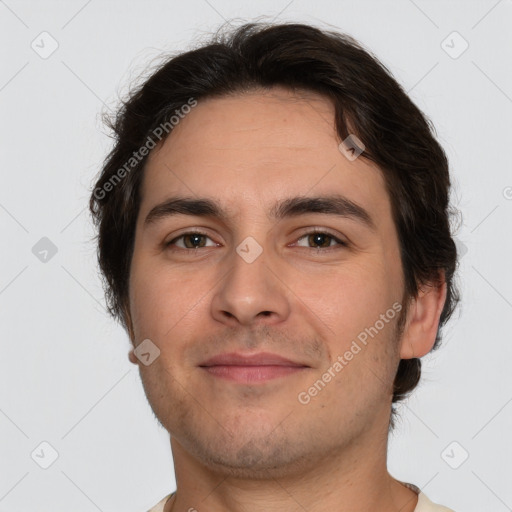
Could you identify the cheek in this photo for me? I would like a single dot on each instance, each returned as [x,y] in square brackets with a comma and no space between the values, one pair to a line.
[147,296]
[164,299]
[348,304]
[349,295]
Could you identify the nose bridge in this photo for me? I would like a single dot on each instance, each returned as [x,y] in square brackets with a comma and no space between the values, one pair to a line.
[250,260]
[251,288]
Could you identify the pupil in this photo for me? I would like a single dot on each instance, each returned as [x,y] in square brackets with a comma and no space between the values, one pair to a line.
[195,238]
[317,239]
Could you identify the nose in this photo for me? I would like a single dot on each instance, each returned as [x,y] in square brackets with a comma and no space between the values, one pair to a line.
[251,292]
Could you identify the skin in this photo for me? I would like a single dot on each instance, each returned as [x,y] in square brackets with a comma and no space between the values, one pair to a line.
[255,447]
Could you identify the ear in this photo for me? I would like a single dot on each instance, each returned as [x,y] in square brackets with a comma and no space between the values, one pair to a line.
[132,358]
[422,322]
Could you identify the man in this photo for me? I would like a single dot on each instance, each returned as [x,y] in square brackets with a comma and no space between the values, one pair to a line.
[274,236]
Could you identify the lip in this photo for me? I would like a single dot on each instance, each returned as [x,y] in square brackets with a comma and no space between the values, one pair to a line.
[251,368]
[259,359]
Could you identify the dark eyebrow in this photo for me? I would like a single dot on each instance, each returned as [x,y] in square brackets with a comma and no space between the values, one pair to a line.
[331,205]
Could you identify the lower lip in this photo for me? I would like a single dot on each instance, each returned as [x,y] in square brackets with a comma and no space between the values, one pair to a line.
[245,374]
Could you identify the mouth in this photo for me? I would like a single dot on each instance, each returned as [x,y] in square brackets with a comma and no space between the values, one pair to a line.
[253,368]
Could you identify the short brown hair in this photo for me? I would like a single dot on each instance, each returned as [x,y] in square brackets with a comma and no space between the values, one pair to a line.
[369,103]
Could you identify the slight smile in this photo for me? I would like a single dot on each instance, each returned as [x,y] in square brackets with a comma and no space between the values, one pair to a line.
[252,368]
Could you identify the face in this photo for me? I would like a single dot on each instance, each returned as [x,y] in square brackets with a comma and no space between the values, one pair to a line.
[310,281]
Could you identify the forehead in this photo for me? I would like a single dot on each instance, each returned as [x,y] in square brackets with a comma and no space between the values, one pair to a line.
[247,150]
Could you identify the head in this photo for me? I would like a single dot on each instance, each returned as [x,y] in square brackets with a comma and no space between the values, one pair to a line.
[250,125]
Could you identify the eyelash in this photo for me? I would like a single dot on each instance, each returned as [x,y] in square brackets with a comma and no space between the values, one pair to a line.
[341,243]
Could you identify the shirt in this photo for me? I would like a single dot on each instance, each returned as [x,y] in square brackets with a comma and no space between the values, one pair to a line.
[424,504]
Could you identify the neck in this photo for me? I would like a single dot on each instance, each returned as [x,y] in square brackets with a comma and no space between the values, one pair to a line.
[354,479]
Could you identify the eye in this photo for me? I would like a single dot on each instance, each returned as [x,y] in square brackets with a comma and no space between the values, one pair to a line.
[192,240]
[322,238]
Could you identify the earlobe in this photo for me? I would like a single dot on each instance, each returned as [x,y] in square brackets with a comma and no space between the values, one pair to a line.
[132,358]
[422,323]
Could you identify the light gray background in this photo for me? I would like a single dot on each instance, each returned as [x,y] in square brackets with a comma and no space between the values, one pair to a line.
[65,377]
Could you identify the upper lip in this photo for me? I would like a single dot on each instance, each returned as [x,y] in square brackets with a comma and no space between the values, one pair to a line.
[259,359]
